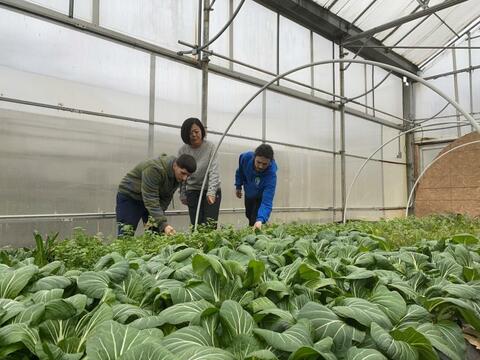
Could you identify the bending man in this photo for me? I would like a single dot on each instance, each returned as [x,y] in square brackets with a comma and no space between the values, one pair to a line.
[257,173]
[148,189]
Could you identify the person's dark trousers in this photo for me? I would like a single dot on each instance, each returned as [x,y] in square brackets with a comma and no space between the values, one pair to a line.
[208,213]
[129,212]
[251,209]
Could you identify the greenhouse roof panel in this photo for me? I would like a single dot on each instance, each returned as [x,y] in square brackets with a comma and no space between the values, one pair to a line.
[435,30]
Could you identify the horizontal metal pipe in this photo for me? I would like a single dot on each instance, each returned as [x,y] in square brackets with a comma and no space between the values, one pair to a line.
[413,47]
[467,69]
[111,215]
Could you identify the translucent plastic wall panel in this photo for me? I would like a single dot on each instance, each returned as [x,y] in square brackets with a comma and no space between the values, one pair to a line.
[255,38]
[362,137]
[395,150]
[226,97]
[323,74]
[228,155]
[83,10]
[368,190]
[295,50]
[71,164]
[395,185]
[159,22]
[46,63]
[17,234]
[355,77]
[389,95]
[304,178]
[316,217]
[464,98]
[428,153]
[218,19]
[441,64]
[178,92]
[298,122]
[428,104]
[57,5]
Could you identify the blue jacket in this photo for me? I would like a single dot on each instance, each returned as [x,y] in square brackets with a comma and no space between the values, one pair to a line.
[257,184]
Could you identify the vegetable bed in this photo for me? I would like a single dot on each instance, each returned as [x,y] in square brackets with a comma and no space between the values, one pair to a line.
[322,293]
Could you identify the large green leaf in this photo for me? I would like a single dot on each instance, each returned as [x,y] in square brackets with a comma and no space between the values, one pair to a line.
[242,345]
[176,314]
[255,270]
[59,309]
[44,296]
[111,340]
[363,311]
[125,313]
[390,302]
[235,320]
[91,321]
[93,284]
[194,292]
[12,282]
[32,315]
[466,239]
[12,308]
[415,314]
[418,341]
[390,347]
[147,351]
[321,350]
[202,262]
[261,355]
[185,338]
[118,271]
[291,339]
[18,333]
[205,352]
[280,289]
[355,353]
[51,282]
[326,323]
[446,337]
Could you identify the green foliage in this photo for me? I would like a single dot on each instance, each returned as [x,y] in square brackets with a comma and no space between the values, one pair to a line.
[288,292]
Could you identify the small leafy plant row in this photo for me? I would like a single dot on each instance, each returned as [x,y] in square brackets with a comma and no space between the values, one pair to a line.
[322,295]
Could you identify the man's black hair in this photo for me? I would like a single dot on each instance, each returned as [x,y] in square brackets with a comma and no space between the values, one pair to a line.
[187,162]
[187,126]
[265,151]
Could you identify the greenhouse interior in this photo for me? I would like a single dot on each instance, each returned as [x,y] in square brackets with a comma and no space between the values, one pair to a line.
[240,179]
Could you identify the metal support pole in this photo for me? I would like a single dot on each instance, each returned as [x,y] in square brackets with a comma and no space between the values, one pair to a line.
[204,62]
[408,112]
[455,88]
[199,29]
[151,110]
[334,140]
[470,73]
[230,35]
[96,12]
[343,179]
[264,117]
[71,6]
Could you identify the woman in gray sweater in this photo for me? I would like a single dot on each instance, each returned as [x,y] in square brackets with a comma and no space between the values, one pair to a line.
[193,135]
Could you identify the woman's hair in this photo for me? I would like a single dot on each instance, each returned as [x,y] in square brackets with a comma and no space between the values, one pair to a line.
[187,126]
[265,151]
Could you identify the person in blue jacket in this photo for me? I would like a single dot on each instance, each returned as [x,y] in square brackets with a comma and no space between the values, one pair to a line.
[257,174]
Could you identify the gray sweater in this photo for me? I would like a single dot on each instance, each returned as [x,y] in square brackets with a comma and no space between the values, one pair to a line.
[202,156]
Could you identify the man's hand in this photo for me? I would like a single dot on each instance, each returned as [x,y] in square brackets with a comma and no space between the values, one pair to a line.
[169,230]
[257,225]
[238,192]
[184,200]
[211,199]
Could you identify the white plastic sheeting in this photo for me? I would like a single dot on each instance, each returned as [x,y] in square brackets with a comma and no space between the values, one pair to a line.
[431,32]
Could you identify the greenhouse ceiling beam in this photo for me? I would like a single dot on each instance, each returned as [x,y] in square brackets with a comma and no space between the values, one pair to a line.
[302,96]
[449,73]
[320,20]
[403,20]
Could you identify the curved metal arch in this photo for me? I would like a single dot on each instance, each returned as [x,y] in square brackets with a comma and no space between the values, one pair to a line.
[333,61]
[222,30]
[357,174]
[428,166]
